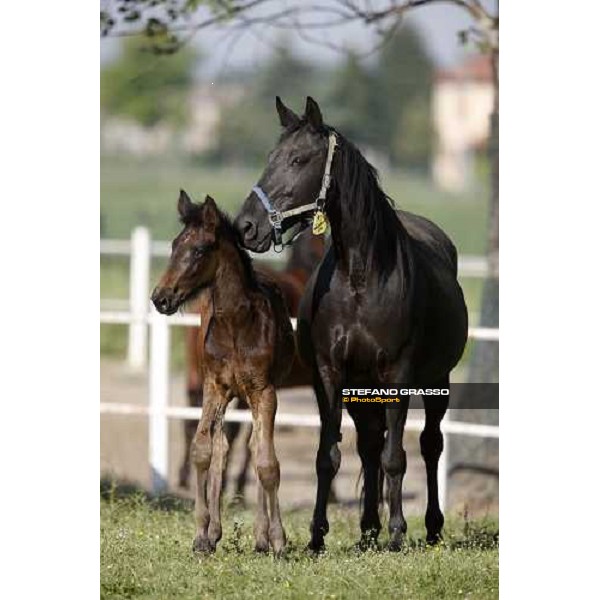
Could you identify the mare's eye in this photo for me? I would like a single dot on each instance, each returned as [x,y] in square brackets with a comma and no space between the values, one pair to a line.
[299,160]
[199,251]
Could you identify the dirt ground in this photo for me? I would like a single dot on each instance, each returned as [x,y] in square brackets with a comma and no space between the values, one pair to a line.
[124,450]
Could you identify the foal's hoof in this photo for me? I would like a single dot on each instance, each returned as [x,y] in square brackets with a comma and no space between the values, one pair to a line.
[433,539]
[394,545]
[203,546]
[184,476]
[261,547]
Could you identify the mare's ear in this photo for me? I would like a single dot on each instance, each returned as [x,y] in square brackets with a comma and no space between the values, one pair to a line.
[287,117]
[210,215]
[312,112]
[184,204]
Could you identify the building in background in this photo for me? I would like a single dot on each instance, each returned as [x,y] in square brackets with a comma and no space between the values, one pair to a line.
[206,104]
[462,104]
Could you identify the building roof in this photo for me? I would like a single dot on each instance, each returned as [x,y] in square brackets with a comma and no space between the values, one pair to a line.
[475,68]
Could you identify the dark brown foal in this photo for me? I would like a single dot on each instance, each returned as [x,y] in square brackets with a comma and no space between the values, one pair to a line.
[304,257]
[245,346]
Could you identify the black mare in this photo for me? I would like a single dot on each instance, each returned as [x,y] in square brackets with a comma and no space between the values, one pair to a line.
[384,306]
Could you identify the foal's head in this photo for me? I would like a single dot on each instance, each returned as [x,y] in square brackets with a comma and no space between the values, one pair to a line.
[194,256]
[293,174]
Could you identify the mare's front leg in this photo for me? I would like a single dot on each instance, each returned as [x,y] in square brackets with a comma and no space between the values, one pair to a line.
[370,427]
[393,461]
[264,406]
[328,455]
[201,454]
[432,446]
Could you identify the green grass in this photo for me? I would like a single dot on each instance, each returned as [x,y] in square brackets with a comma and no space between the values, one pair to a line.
[146,553]
[136,192]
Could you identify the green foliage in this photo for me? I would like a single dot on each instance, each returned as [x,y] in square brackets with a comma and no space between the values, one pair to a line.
[354,103]
[146,87]
[249,129]
[145,552]
[412,143]
[405,76]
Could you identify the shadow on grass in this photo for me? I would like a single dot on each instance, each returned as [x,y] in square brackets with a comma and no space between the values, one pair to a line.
[121,489]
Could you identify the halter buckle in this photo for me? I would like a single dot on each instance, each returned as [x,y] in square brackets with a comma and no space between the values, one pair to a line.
[276,219]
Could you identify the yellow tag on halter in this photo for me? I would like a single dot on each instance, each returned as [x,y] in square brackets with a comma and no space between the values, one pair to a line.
[319,225]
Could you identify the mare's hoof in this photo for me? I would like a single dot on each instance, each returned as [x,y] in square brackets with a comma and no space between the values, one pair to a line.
[315,548]
[434,539]
[203,546]
[367,543]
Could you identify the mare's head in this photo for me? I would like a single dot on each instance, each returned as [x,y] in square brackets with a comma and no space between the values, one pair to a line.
[292,177]
[194,256]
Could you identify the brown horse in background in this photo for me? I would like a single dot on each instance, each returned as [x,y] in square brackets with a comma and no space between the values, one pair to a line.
[246,346]
[305,255]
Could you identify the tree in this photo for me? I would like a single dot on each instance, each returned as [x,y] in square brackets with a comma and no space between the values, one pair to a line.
[147,88]
[247,129]
[354,105]
[405,76]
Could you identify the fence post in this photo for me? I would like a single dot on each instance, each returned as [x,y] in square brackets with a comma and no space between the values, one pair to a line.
[443,473]
[139,296]
[158,393]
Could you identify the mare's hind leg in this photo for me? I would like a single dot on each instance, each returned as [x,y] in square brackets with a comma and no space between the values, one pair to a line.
[393,460]
[370,433]
[201,454]
[264,406]
[432,445]
[328,456]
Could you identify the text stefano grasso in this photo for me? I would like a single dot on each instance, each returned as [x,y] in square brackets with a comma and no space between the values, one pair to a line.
[396,391]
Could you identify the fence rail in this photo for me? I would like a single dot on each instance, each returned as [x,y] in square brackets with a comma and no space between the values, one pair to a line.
[142,319]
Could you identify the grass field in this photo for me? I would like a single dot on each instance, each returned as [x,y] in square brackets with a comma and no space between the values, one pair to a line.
[135,192]
[146,553]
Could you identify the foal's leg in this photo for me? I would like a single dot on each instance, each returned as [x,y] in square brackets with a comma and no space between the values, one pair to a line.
[194,393]
[242,479]
[189,429]
[328,455]
[432,445]
[261,524]
[393,460]
[215,480]
[201,452]
[369,429]
[264,406]
[231,429]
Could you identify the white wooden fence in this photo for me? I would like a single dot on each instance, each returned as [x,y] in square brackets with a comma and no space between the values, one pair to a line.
[142,317]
